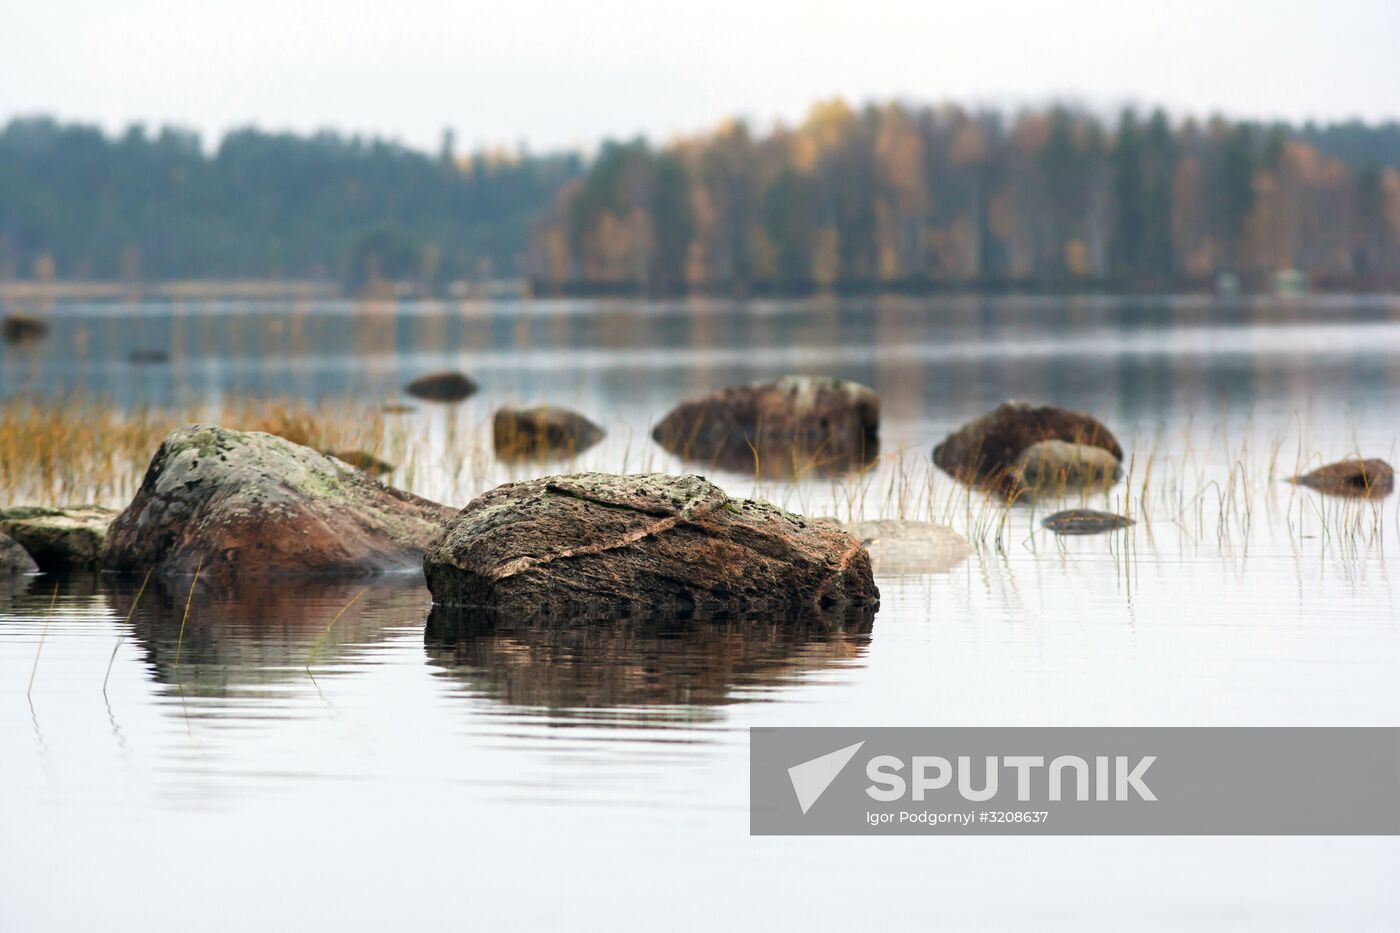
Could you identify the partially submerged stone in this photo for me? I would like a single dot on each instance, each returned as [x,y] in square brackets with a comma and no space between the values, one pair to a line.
[1357,479]
[58,539]
[985,450]
[541,432]
[899,546]
[244,502]
[1085,522]
[592,543]
[14,559]
[830,423]
[22,328]
[446,386]
[1050,467]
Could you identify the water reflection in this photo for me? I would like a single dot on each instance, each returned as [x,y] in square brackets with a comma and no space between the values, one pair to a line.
[657,670]
[259,636]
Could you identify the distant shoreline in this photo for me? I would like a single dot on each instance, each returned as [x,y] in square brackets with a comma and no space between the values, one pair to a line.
[16,294]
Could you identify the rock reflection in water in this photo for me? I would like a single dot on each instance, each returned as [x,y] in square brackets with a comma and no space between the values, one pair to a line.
[649,667]
[259,635]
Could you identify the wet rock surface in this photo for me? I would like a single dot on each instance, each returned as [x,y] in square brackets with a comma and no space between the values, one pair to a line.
[829,422]
[443,386]
[594,543]
[985,451]
[901,546]
[66,538]
[1085,522]
[541,432]
[14,559]
[235,502]
[1354,479]
[1051,467]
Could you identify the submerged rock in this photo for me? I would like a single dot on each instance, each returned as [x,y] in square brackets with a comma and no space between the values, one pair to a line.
[362,460]
[236,502]
[898,546]
[441,387]
[1085,522]
[1048,467]
[985,451]
[1358,479]
[595,543]
[14,559]
[69,538]
[22,328]
[830,422]
[541,432]
[148,357]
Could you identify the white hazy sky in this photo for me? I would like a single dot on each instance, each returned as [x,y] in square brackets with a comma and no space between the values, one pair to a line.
[566,74]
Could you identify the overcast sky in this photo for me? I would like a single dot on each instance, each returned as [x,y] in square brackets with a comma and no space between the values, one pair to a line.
[566,74]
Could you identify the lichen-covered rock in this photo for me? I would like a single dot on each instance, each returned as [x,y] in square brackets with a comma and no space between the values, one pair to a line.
[236,502]
[58,539]
[442,387]
[828,421]
[14,559]
[899,546]
[1048,467]
[985,450]
[1357,479]
[1085,522]
[21,328]
[541,432]
[595,543]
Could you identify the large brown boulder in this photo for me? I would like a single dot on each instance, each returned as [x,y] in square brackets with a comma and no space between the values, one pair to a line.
[985,451]
[829,422]
[541,432]
[1356,479]
[592,544]
[14,559]
[59,539]
[236,502]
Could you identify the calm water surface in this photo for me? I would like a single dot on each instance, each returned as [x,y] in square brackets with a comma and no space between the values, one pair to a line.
[265,767]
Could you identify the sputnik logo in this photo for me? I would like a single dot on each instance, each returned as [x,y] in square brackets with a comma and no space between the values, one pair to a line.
[810,779]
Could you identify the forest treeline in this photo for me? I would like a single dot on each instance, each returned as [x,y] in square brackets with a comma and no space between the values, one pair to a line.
[915,198]
[76,203]
[885,196]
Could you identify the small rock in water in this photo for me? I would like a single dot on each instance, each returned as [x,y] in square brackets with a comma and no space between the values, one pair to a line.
[442,387]
[14,558]
[243,502]
[1051,467]
[985,451]
[362,460]
[594,544]
[69,538]
[829,424]
[541,432]
[1085,522]
[898,546]
[21,328]
[1356,479]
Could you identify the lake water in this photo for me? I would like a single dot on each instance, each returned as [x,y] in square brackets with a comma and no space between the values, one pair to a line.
[277,765]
